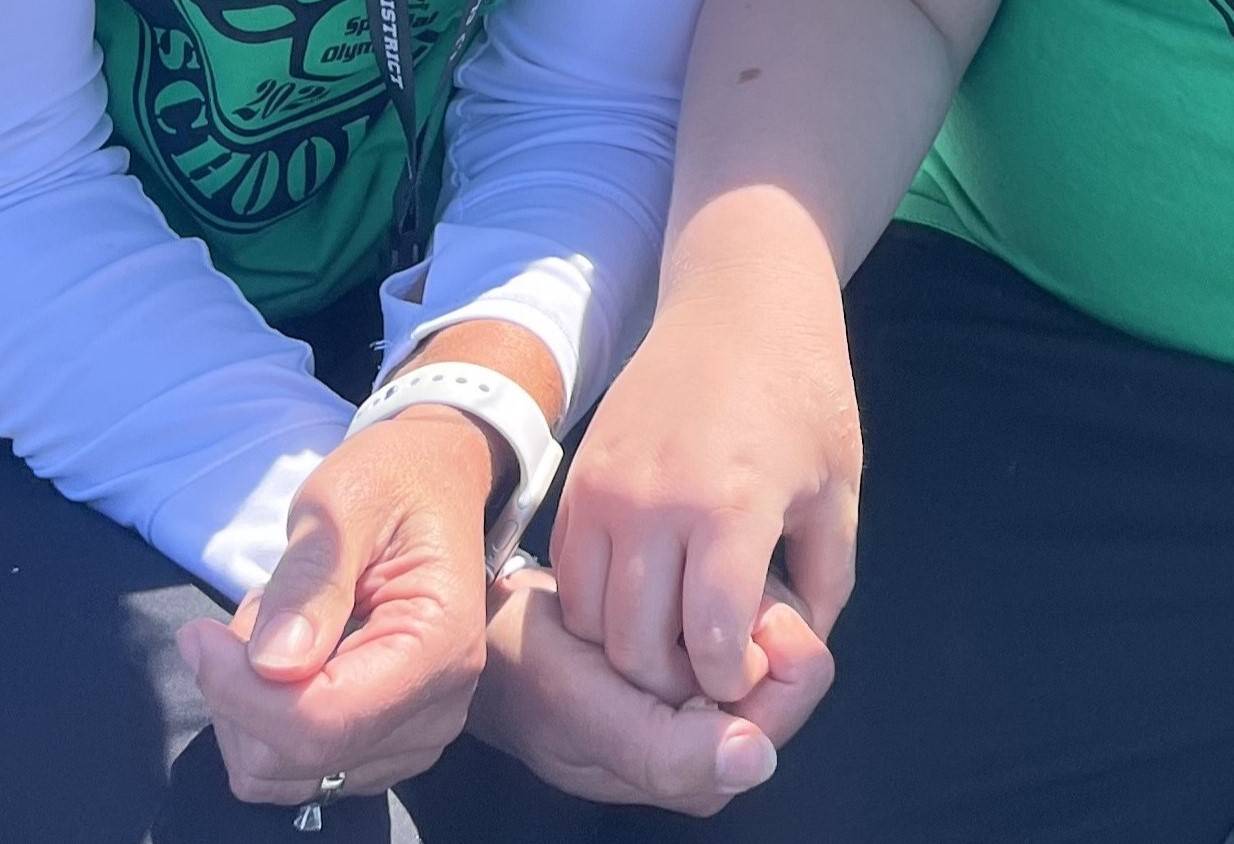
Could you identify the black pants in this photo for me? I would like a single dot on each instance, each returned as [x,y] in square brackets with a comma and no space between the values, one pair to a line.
[1040,646]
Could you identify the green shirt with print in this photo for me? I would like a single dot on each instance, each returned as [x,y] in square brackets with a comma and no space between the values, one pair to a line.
[265,129]
[1091,145]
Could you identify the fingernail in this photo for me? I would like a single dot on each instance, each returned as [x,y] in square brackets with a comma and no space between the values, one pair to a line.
[283,641]
[190,650]
[700,702]
[249,597]
[744,761]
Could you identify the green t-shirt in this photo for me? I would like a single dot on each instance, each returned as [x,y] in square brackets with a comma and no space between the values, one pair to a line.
[1091,146]
[265,129]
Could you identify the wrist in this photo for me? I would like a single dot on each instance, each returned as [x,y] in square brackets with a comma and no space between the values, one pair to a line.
[457,457]
[434,463]
[470,448]
[802,305]
[758,237]
[502,347]
[791,333]
[507,349]
[490,386]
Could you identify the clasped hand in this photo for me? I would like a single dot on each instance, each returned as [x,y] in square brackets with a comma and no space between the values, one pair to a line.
[665,534]
[700,459]
[386,535]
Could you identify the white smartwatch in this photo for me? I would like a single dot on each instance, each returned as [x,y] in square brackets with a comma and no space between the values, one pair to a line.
[504,405]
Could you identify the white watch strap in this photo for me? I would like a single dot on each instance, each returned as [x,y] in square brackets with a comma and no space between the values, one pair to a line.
[518,561]
[504,405]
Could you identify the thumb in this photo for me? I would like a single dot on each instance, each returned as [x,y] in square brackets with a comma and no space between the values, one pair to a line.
[245,617]
[700,750]
[307,602]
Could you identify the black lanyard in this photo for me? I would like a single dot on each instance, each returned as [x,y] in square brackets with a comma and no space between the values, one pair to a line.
[390,31]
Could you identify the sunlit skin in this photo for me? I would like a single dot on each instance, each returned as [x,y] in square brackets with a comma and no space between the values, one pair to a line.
[552,700]
[735,422]
[389,529]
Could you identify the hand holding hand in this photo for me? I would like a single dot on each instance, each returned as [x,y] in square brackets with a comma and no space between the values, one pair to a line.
[388,532]
[553,701]
[702,455]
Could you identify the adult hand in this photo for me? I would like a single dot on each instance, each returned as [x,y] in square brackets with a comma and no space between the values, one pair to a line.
[388,532]
[553,701]
[716,440]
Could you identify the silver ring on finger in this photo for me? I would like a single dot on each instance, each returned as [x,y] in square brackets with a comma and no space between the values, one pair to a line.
[308,816]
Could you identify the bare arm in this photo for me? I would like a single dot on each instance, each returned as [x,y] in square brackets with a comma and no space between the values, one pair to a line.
[803,122]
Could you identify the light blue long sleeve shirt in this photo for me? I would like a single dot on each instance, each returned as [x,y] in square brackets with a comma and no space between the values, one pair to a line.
[138,379]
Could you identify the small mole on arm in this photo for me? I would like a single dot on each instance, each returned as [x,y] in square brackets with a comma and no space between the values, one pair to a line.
[749,75]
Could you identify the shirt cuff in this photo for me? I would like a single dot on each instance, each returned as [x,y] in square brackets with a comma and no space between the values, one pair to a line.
[228,526]
[552,297]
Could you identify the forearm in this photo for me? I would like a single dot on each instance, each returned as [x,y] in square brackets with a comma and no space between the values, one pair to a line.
[801,128]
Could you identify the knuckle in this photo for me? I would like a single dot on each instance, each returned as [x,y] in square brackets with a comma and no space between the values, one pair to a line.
[629,496]
[244,787]
[589,478]
[211,690]
[455,726]
[579,618]
[733,502]
[847,581]
[459,678]
[411,621]
[708,806]
[743,510]
[620,492]
[259,759]
[316,744]
[212,681]
[664,776]
[308,569]
[331,493]
[834,591]
[815,669]
[824,670]
[639,664]
[308,755]
[473,662]
[557,537]
[312,555]
[846,516]
[334,742]
[447,728]
[664,782]
[851,457]
[624,656]
[422,763]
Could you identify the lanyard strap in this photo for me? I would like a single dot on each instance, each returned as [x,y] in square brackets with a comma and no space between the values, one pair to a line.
[390,31]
